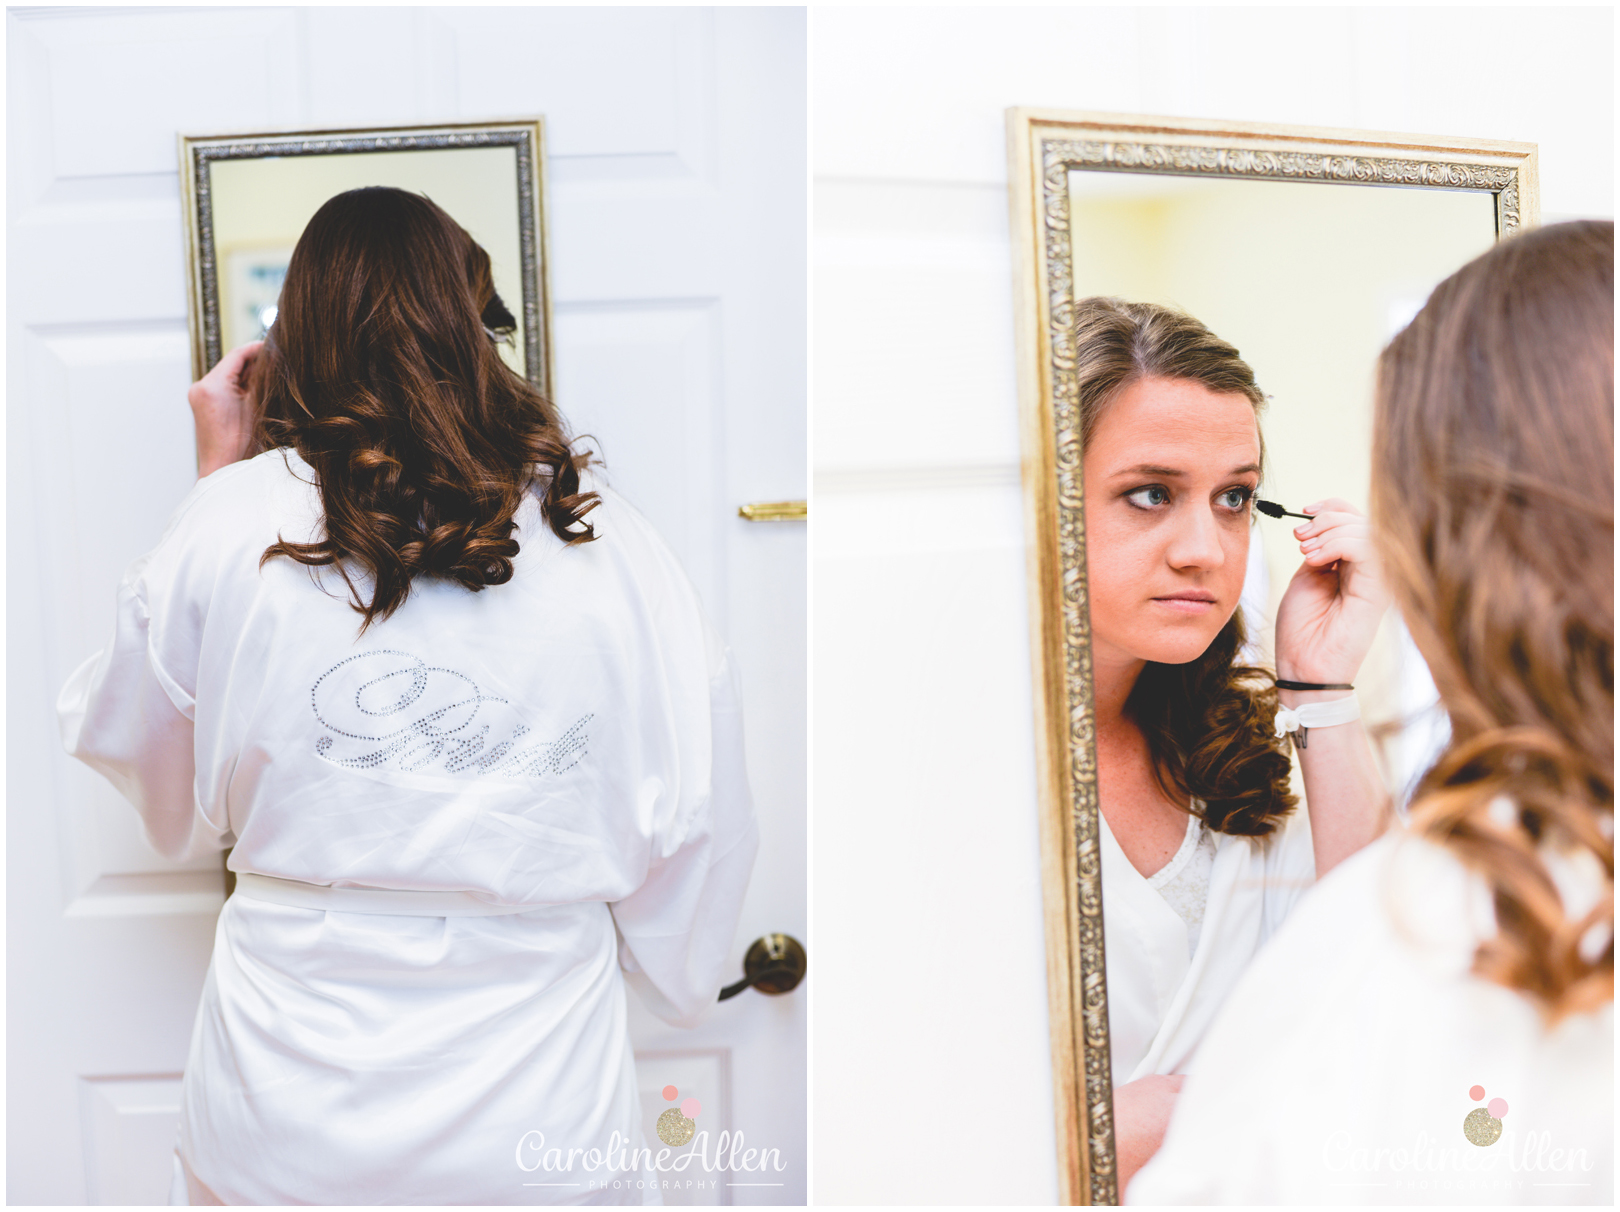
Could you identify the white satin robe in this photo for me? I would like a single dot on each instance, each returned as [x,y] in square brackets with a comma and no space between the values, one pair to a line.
[569,741]
[1161,1001]
[1342,1069]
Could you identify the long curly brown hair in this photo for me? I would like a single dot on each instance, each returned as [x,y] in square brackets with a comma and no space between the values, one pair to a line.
[1208,723]
[1493,445]
[382,371]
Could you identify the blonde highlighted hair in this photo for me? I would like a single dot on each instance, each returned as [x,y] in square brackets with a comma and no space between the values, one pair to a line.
[1493,487]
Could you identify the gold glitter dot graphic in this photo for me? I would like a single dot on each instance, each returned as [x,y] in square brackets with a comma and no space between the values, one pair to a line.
[675,1129]
[1480,1128]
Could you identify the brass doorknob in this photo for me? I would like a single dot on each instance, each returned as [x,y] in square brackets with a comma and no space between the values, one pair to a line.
[774,964]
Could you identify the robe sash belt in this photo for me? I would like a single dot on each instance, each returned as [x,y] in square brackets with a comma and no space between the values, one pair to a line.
[399,902]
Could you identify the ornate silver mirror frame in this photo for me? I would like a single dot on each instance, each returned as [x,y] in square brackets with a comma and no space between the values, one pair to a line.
[1044,147]
[198,153]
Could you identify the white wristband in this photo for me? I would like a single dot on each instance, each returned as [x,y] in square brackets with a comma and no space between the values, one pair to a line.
[1300,719]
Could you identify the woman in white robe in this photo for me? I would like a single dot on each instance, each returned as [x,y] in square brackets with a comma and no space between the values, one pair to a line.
[1203,853]
[449,833]
[1166,982]
[1436,1023]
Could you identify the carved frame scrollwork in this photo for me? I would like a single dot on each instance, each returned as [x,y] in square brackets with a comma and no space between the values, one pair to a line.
[1044,147]
[526,136]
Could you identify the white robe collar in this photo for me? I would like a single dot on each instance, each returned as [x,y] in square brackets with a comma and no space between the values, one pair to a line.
[1160,999]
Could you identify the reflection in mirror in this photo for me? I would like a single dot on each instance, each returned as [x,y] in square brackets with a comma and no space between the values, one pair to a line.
[251,197]
[1202,312]
[1308,281]
[1292,289]
[261,207]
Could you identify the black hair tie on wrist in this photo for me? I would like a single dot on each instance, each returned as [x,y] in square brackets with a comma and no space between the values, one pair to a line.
[1282,685]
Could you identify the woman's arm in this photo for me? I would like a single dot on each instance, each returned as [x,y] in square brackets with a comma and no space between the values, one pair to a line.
[676,931]
[1325,625]
[127,717]
[221,410]
[1141,1115]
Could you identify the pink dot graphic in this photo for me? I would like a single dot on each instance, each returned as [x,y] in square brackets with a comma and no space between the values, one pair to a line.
[670,1092]
[1497,1107]
[690,1108]
[1474,1092]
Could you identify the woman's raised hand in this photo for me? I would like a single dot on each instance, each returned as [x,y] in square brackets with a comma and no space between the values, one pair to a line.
[1332,607]
[221,410]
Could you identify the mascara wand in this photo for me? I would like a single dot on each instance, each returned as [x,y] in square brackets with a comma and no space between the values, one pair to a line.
[1273,510]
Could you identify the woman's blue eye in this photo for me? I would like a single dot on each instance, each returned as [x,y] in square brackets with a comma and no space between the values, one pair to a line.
[1149,496]
[1236,498]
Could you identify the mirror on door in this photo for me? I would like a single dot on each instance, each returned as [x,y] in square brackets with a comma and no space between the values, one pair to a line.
[1202,328]
[250,196]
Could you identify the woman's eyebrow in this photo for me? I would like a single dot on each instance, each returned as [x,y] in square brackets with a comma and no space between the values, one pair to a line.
[1149,469]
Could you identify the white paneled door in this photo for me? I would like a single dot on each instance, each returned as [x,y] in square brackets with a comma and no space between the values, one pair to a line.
[677,219]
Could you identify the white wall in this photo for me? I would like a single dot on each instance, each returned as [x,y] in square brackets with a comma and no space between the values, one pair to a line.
[930,1065]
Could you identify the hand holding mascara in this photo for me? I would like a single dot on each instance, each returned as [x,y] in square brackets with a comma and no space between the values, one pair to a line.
[1330,612]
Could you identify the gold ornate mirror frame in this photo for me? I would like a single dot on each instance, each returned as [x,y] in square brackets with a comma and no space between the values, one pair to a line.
[1044,147]
[198,153]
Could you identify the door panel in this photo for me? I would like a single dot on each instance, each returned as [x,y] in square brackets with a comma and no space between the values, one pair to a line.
[639,379]
[129,1127]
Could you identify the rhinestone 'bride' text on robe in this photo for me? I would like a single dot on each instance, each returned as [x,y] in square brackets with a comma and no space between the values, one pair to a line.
[390,710]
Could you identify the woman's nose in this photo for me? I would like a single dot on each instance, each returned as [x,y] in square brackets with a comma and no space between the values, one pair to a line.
[1197,541]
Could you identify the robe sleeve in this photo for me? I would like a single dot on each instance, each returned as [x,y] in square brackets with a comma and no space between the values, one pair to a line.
[124,714]
[677,928]
[1290,871]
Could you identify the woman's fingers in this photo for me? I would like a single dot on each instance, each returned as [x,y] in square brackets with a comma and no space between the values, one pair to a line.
[1327,520]
[232,365]
[1355,538]
[229,368]
[1351,550]
[1326,513]
[1356,550]
[240,354]
[222,385]
[1330,503]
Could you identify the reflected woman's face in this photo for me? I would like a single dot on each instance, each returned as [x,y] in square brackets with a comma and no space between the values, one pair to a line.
[1169,474]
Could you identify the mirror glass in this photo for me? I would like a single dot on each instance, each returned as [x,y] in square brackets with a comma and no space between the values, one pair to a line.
[260,207]
[1309,281]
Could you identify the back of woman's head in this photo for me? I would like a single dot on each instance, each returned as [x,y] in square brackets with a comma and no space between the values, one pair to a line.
[1209,722]
[382,371]
[1493,501]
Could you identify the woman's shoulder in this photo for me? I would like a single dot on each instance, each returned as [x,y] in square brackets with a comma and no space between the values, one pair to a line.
[1362,1027]
[614,511]
[1400,898]
[1397,923]
[628,558]
[626,535]
[1284,858]
[1394,927]
[243,506]
[276,480]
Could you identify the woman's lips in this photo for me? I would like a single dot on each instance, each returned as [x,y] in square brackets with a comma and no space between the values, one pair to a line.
[1188,603]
